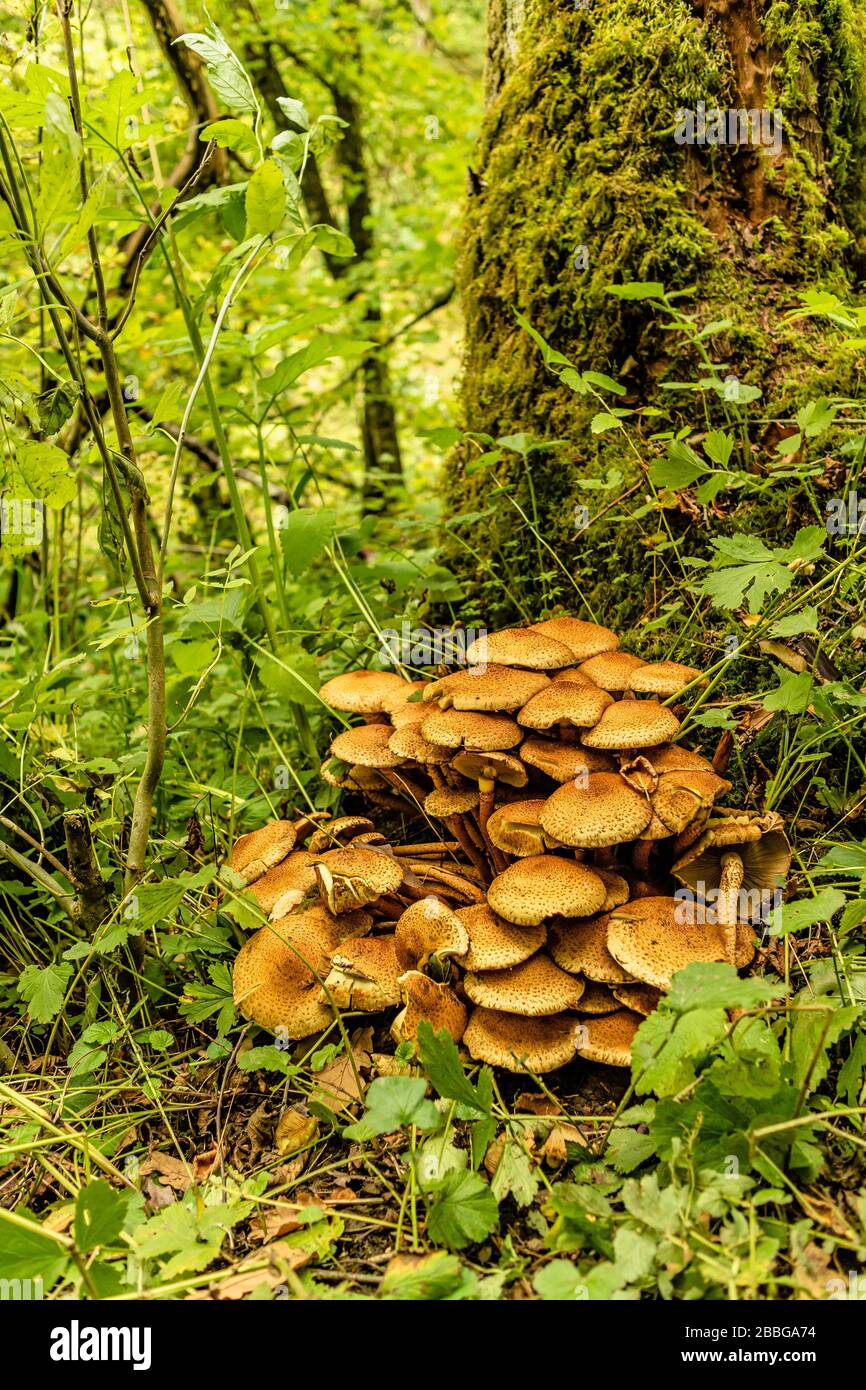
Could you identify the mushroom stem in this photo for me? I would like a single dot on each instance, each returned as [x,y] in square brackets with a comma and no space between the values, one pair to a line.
[486,789]
[730,883]
[432,873]
[640,856]
[457,827]
[604,856]
[567,733]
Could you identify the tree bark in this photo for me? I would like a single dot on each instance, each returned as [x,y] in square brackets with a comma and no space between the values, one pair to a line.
[577,150]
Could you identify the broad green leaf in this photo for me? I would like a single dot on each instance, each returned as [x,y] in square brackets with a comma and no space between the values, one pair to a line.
[44,988]
[294,112]
[441,1061]
[792,695]
[27,1255]
[560,1282]
[716,985]
[806,912]
[100,1213]
[265,200]
[795,623]
[423,1277]
[462,1212]
[304,535]
[225,71]
[41,470]
[394,1101]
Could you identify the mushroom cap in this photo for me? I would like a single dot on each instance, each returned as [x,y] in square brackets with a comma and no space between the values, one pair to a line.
[581,948]
[364,974]
[584,640]
[562,702]
[608,1039]
[617,888]
[273,986]
[516,828]
[681,796]
[664,678]
[766,855]
[632,724]
[494,944]
[491,688]
[363,692]
[427,1000]
[259,850]
[340,831]
[602,810]
[563,761]
[402,700]
[357,779]
[428,928]
[450,801]
[294,874]
[599,999]
[651,941]
[534,988]
[641,999]
[495,767]
[457,728]
[366,745]
[543,885]
[409,714]
[350,878]
[674,757]
[612,670]
[411,742]
[520,646]
[517,1043]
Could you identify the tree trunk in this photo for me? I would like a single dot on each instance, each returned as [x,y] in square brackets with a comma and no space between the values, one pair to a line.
[581,183]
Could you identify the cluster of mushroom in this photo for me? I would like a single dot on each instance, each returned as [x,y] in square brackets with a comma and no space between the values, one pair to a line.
[573,859]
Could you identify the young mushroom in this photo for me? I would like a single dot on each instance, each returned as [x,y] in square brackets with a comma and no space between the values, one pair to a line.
[429,929]
[428,1001]
[258,851]
[541,886]
[520,1044]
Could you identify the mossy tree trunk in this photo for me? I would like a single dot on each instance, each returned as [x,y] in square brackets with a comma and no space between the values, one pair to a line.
[578,150]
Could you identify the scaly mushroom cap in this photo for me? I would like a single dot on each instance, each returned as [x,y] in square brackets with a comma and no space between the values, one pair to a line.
[602,810]
[611,670]
[650,940]
[617,888]
[520,646]
[403,699]
[350,878]
[518,1044]
[277,989]
[608,1040]
[494,944]
[450,801]
[632,724]
[294,876]
[493,688]
[426,1000]
[363,692]
[366,745]
[641,999]
[561,702]
[533,989]
[354,779]
[584,640]
[664,678]
[681,796]
[516,828]
[259,850]
[598,999]
[581,948]
[364,975]
[758,840]
[673,757]
[428,928]
[543,885]
[336,833]
[563,761]
[409,714]
[411,742]
[457,728]
[492,767]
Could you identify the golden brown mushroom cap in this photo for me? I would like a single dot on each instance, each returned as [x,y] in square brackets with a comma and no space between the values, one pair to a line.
[340,831]
[584,640]
[363,692]
[364,974]
[599,999]
[641,999]
[611,670]
[534,988]
[664,678]
[517,1043]
[494,944]
[632,724]
[366,745]
[609,1039]
[427,1000]
[681,796]
[293,875]
[758,840]
[563,702]
[274,986]
[428,928]
[650,940]
[450,801]
[493,688]
[674,757]
[259,850]
[411,742]
[457,728]
[520,646]
[350,878]
[543,885]
[516,828]
[563,761]
[617,888]
[492,767]
[581,948]
[598,811]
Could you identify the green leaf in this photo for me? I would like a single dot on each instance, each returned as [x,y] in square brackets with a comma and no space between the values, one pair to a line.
[294,111]
[426,1277]
[41,470]
[813,1033]
[441,1061]
[718,446]
[230,134]
[225,72]
[515,1174]
[638,289]
[602,422]
[792,694]
[560,1282]
[44,988]
[265,199]
[333,242]
[805,913]
[394,1101]
[462,1212]
[191,1233]
[304,535]
[795,623]
[28,1255]
[635,1254]
[680,469]
[100,1213]
[668,1047]
[715,985]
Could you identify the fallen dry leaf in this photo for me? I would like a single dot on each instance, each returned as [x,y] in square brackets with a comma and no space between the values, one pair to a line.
[173,1171]
[294,1131]
[337,1086]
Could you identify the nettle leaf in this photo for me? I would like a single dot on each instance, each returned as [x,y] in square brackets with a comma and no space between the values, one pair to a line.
[304,535]
[265,199]
[394,1101]
[224,69]
[44,988]
[441,1061]
[716,985]
[41,470]
[805,913]
[462,1212]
